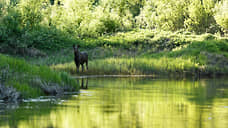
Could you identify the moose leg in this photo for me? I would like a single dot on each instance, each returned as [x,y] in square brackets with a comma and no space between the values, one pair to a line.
[87,64]
[77,69]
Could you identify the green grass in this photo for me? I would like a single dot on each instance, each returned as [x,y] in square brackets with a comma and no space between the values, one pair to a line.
[24,76]
[207,57]
[110,66]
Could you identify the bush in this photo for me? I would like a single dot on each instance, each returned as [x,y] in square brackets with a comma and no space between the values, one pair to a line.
[200,16]
[30,13]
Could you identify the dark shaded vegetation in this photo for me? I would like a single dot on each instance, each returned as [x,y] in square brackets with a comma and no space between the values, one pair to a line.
[9,94]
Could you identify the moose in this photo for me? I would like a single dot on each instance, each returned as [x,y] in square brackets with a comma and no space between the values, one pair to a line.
[80,58]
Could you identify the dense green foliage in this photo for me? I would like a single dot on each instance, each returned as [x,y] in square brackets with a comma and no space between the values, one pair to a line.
[45,24]
[29,79]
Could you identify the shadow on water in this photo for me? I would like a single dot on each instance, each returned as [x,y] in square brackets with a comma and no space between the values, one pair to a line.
[130,102]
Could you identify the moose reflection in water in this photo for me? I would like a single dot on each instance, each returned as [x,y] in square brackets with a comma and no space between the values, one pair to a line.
[84,83]
[80,58]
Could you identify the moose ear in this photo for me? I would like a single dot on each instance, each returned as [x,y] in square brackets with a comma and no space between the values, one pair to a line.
[73,45]
[77,46]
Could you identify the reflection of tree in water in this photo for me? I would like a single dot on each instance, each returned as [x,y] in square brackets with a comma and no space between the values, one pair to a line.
[207,90]
[207,99]
[194,101]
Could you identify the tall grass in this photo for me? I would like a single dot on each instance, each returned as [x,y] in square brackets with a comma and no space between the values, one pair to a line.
[132,66]
[162,65]
[195,58]
[21,75]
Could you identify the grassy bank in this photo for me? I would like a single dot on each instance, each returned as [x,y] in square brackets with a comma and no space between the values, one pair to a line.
[31,80]
[153,53]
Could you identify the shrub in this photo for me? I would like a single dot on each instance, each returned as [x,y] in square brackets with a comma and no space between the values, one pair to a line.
[200,16]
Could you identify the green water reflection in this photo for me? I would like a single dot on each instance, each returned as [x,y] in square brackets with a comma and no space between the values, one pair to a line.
[130,103]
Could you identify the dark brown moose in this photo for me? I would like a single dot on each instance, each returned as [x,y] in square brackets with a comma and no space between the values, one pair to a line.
[80,58]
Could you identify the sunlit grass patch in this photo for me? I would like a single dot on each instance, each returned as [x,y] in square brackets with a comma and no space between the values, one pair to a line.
[132,66]
[141,65]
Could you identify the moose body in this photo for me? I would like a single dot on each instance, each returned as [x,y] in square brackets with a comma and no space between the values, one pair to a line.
[80,58]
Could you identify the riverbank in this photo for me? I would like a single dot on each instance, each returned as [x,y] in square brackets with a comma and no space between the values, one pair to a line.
[21,80]
[152,53]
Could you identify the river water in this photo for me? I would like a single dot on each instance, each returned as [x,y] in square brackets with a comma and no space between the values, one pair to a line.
[127,103]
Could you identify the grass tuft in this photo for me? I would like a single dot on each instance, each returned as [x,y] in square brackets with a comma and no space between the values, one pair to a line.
[20,75]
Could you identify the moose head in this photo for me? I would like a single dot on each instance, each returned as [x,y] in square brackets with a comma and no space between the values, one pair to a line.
[76,48]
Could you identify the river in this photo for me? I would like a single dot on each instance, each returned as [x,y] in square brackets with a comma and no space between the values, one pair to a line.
[126,103]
